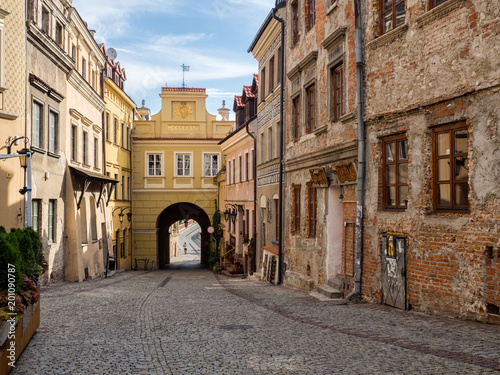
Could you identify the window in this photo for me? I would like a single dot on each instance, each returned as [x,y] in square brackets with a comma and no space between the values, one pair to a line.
[263,82]
[107,126]
[53,129]
[252,163]
[129,191]
[296,209]
[229,172]
[85,147]
[247,166]
[262,148]
[45,21]
[392,14]
[123,134]
[278,79]
[37,131]
[93,75]
[240,169]
[310,14]
[270,143]
[115,130]
[395,166]
[311,108]
[116,188]
[59,34]
[73,52]
[35,214]
[312,211]
[183,165]
[123,187]
[234,171]
[296,118]
[83,222]
[154,165]
[271,74]
[74,139]
[96,152]
[128,138]
[435,3]
[295,23]
[32,10]
[451,167]
[84,68]
[338,92]
[210,164]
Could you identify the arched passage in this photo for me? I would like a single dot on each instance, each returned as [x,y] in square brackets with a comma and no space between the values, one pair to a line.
[173,213]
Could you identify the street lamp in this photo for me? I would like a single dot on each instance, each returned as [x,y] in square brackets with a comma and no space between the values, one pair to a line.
[25,160]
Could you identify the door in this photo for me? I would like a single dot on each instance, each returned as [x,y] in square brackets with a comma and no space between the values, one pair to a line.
[394,247]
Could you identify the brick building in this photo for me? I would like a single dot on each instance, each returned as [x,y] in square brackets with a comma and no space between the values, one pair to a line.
[431,240]
[320,143]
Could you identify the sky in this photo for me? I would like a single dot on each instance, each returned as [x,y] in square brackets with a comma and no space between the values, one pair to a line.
[153,38]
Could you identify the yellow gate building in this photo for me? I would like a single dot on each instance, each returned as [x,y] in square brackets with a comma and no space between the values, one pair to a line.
[175,159]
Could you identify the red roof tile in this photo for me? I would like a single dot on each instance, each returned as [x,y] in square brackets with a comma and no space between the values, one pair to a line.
[238,101]
[190,89]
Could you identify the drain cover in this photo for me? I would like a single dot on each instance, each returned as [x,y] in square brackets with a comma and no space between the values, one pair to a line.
[232,327]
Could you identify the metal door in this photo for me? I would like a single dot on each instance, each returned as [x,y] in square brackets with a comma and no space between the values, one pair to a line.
[394,247]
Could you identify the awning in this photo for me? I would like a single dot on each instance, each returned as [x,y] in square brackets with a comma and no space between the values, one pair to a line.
[89,177]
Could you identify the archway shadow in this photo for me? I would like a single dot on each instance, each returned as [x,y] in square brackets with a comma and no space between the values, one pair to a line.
[173,213]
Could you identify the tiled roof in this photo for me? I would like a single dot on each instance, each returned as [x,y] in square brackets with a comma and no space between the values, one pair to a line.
[256,79]
[247,90]
[238,101]
[189,89]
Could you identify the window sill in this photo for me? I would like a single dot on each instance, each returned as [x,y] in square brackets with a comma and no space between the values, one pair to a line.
[320,130]
[39,150]
[388,37]
[347,117]
[54,155]
[75,162]
[7,116]
[438,12]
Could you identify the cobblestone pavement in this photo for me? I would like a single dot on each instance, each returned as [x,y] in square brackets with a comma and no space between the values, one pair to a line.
[186,320]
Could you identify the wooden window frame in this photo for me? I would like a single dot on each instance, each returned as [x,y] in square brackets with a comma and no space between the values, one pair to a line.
[435,3]
[397,140]
[390,10]
[271,74]
[338,91]
[295,23]
[311,108]
[296,118]
[312,210]
[452,156]
[296,209]
[310,14]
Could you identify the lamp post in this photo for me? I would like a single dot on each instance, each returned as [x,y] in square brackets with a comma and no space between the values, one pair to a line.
[25,160]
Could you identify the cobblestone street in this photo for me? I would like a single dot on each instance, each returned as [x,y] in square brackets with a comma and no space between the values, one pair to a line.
[186,320]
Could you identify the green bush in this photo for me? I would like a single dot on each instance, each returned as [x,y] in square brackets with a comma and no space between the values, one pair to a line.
[9,255]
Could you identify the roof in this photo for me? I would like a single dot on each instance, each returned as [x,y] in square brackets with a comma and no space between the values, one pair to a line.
[238,102]
[261,31]
[93,175]
[189,89]
[243,126]
[247,92]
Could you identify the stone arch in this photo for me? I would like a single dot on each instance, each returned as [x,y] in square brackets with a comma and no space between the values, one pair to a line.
[173,213]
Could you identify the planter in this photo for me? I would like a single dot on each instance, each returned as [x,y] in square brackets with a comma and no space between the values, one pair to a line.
[25,329]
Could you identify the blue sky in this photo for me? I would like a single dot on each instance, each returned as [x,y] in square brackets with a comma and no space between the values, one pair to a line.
[154,38]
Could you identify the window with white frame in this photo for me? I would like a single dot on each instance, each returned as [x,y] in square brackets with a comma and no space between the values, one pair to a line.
[154,165]
[37,124]
[85,147]
[183,165]
[53,131]
[96,152]
[51,231]
[210,165]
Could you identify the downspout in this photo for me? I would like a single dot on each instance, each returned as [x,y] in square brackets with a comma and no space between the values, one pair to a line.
[253,266]
[282,88]
[361,156]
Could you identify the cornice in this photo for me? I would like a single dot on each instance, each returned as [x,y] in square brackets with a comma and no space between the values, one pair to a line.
[338,33]
[49,48]
[439,12]
[388,37]
[82,86]
[310,58]
[120,92]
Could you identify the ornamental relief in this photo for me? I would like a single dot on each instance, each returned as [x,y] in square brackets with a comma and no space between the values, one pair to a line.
[183,110]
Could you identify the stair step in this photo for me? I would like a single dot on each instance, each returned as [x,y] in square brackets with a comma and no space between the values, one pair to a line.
[328,291]
[335,283]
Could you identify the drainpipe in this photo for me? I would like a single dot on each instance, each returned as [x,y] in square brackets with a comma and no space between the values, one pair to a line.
[361,156]
[281,4]
[254,175]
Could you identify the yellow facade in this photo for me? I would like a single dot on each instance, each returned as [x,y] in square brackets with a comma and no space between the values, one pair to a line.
[12,109]
[118,124]
[171,177]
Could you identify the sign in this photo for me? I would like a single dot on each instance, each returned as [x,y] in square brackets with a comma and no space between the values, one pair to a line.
[210,230]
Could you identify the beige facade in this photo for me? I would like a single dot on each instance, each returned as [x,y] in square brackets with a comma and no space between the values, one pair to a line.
[266,49]
[12,109]
[118,125]
[175,157]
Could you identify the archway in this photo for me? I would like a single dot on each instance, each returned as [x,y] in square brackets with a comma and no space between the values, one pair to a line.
[173,213]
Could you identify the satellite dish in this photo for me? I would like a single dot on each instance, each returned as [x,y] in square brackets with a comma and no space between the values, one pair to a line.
[111,53]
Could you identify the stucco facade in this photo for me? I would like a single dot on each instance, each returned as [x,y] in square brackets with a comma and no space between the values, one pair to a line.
[117,128]
[175,159]
[12,109]
[320,144]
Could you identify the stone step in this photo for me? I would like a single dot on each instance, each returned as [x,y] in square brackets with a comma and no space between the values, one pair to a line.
[328,291]
[335,283]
